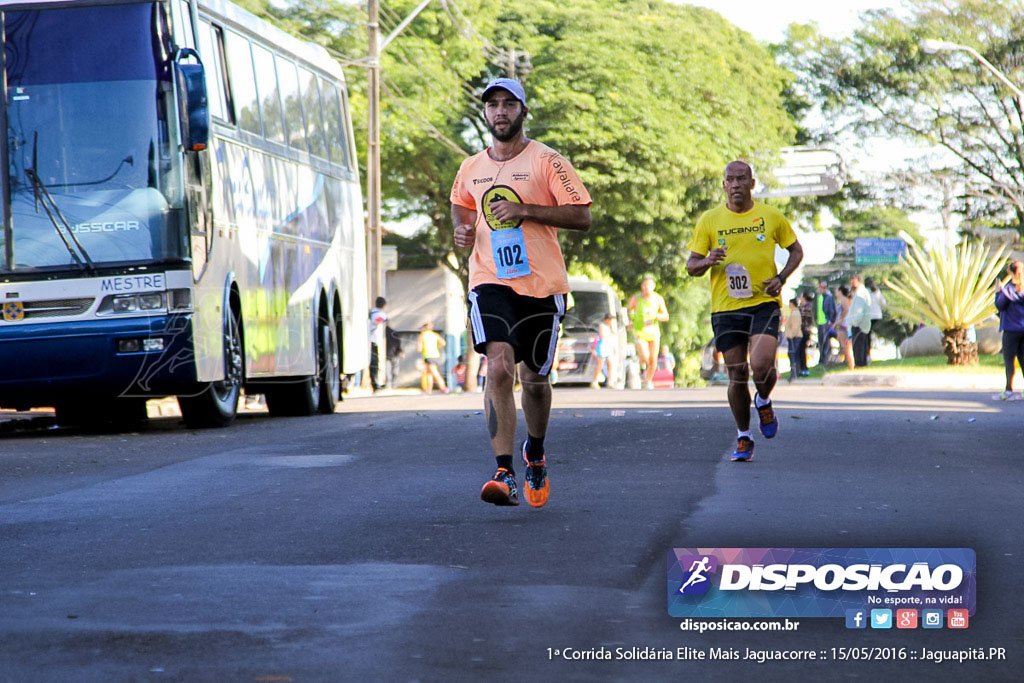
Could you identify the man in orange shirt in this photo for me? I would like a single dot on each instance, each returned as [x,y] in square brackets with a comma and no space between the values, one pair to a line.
[507,203]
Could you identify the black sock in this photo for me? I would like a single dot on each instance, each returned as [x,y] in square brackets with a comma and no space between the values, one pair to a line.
[534,448]
[506,462]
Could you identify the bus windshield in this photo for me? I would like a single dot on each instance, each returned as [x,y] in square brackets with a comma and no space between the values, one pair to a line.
[93,176]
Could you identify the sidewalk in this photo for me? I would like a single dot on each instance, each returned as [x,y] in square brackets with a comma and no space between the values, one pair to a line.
[913,380]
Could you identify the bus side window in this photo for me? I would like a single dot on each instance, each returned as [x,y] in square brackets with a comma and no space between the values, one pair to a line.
[289,80]
[314,117]
[270,96]
[210,41]
[243,84]
[337,134]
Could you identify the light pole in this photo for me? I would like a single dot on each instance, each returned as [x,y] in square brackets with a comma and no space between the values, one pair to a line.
[931,46]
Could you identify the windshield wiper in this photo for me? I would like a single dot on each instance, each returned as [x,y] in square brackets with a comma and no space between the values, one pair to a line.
[53,212]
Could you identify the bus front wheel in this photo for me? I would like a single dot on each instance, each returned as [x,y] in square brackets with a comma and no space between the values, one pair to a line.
[216,405]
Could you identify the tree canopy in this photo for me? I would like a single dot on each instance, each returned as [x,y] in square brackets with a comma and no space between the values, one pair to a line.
[648,99]
[883,82]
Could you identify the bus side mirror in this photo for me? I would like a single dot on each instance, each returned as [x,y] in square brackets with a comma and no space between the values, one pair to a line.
[194,113]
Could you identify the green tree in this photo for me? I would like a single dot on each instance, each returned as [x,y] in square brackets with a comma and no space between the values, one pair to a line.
[647,98]
[649,115]
[881,82]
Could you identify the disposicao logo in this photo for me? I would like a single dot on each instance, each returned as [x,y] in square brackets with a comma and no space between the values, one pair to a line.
[817,582]
[696,581]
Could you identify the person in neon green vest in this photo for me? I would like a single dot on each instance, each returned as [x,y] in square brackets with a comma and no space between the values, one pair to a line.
[646,311]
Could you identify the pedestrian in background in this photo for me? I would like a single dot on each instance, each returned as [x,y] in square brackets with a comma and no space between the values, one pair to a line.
[842,325]
[429,344]
[1010,304]
[877,309]
[859,319]
[647,311]
[604,344]
[825,316]
[794,336]
[460,373]
[394,354]
[806,303]
[377,324]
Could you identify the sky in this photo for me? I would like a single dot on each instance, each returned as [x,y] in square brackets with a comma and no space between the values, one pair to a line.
[766,20]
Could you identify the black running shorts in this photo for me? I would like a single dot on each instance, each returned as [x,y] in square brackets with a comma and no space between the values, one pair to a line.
[733,328]
[530,325]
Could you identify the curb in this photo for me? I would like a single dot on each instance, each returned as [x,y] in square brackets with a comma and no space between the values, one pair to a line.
[914,380]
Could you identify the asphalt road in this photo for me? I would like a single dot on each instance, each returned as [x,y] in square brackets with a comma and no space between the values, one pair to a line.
[355,547]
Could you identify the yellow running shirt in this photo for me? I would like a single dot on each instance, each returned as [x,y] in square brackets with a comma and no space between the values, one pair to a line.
[750,239]
[537,175]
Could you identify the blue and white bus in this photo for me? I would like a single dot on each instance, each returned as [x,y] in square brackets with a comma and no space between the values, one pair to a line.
[181,213]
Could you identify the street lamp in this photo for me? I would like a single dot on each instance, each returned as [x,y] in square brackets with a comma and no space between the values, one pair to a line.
[932,45]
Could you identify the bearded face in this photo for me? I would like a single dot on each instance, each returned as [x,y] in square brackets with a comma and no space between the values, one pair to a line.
[503,125]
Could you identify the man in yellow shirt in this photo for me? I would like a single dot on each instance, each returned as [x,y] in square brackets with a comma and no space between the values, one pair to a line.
[736,242]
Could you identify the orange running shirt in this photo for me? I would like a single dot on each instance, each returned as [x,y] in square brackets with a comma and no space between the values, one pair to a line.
[537,175]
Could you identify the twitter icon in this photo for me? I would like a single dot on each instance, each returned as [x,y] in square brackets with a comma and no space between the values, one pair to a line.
[881,618]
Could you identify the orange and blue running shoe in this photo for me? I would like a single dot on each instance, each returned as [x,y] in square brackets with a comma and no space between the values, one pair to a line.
[768,423]
[502,489]
[537,485]
[744,450]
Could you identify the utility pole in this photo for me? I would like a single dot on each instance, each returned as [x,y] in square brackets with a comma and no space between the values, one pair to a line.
[373,151]
[374,228]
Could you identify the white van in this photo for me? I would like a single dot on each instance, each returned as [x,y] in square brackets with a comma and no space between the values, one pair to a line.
[575,361]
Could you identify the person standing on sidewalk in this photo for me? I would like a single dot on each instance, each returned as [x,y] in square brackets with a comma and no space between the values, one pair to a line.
[1010,304]
[794,337]
[825,315]
[377,328]
[806,303]
[604,346]
[508,203]
[859,320]
[736,242]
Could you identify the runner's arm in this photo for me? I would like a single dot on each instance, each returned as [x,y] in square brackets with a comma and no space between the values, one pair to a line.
[662,311]
[773,286]
[567,216]
[698,264]
[464,221]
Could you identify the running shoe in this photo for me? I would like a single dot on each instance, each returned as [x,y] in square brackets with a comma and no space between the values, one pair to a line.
[744,450]
[1006,396]
[502,489]
[767,422]
[537,485]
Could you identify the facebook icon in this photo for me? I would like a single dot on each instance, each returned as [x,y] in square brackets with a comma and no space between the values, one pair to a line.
[856,618]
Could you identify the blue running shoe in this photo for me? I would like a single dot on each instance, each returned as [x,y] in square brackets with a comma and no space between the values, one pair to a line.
[744,450]
[767,422]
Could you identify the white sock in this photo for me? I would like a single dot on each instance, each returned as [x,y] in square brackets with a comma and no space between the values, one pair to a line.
[740,435]
[760,402]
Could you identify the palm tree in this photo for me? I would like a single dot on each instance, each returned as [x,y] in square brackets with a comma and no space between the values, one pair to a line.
[949,287]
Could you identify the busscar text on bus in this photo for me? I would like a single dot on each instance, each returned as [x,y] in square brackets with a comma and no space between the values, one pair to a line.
[181,213]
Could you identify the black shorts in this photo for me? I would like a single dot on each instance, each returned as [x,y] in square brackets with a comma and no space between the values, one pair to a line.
[733,328]
[530,325]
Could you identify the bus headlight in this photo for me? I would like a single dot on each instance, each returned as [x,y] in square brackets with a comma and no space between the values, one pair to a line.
[151,302]
[132,303]
[125,304]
